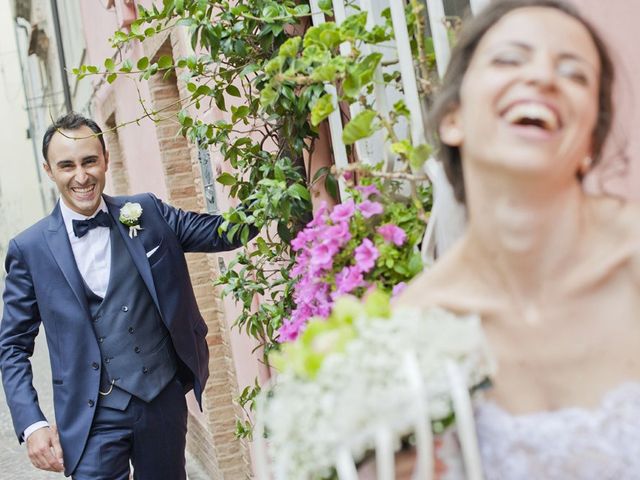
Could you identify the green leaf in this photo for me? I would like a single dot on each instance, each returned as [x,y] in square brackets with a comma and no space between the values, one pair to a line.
[320,173]
[267,96]
[322,109]
[298,191]
[244,234]
[226,179]
[112,77]
[143,63]
[402,147]
[331,185]
[232,90]
[361,126]
[419,156]
[326,6]
[324,73]
[351,85]
[262,246]
[165,61]
[109,64]
[289,49]
[284,232]
[126,66]
[238,113]
[92,69]
[366,68]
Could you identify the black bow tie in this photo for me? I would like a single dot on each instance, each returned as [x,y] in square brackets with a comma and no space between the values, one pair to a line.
[82,227]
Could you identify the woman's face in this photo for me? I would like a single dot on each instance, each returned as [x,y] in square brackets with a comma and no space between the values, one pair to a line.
[529,99]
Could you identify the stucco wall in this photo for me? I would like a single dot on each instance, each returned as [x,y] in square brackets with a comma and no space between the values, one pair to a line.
[20,199]
[618,21]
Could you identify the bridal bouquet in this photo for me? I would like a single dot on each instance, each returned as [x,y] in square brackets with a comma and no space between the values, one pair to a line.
[346,376]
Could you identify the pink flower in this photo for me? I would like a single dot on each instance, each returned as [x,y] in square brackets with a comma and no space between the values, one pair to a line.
[366,255]
[347,280]
[347,176]
[319,217]
[339,232]
[288,332]
[369,209]
[343,212]
[301,240]
[322,254]
[398,289]
[392,234]
[368,190]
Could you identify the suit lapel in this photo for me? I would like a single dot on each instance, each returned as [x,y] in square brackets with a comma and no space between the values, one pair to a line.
[58,241]
[134,245]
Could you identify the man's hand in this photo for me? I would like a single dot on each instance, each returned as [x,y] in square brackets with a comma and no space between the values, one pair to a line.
[44,449]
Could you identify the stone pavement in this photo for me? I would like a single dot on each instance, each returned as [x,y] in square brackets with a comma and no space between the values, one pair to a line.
[14,463]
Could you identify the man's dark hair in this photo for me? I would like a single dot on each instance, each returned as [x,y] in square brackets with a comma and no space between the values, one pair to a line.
[70,121]
[448,97]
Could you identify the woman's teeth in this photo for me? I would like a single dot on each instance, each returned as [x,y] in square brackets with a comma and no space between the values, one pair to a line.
[534,114]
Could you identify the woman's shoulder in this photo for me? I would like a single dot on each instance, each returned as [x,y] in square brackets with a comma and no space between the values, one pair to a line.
[617,222]
[450,284]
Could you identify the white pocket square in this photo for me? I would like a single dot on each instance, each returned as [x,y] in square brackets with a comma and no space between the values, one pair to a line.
[152,251]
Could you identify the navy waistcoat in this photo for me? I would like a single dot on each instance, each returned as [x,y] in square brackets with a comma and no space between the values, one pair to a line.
[138,357]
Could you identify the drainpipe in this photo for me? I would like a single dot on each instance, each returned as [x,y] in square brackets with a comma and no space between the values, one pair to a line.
[61,59]
[20,24]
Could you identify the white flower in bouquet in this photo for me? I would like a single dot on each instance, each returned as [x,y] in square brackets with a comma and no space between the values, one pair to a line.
[346,376]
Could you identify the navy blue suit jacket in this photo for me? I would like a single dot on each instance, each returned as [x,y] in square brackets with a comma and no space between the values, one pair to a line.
[43,285]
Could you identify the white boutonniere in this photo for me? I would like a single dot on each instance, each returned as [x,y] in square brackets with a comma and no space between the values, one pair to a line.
[130,214]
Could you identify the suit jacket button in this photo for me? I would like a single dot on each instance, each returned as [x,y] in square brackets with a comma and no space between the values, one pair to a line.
[107,359]
[91,403]
[145,370]
[101,339]
[125,308]
[137,349]
[95,366]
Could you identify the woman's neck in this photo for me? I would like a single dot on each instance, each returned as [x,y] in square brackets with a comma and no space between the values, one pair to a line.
[521,232]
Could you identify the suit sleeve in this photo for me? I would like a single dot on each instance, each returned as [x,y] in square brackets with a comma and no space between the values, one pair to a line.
[198,232]
[18,329]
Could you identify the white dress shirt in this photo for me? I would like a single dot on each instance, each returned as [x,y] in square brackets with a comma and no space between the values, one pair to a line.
[92,253]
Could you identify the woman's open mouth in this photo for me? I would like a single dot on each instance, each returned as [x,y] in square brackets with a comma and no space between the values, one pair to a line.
[533,118]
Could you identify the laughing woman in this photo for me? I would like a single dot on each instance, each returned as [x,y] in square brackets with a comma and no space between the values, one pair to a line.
[553,272]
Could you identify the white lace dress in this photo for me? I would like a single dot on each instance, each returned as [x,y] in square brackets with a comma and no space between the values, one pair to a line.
[569,444]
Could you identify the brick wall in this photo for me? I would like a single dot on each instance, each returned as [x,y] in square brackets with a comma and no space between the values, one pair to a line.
[117,161]
[211,436]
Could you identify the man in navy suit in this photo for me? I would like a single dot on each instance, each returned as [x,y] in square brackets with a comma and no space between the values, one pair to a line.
[126,340]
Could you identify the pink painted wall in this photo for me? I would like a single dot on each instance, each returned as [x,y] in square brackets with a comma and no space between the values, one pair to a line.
[142,155]
[617,21]
[138,141]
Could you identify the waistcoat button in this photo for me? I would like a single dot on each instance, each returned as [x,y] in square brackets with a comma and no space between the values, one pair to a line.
[130,329]
[137,349]
[91,403]
[125,308]
[145,370]
[95,366]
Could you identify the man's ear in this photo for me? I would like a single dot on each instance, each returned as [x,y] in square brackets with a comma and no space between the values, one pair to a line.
[106,160]
[47,168]
[450,129]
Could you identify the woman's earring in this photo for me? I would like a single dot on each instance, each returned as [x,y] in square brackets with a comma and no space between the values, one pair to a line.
[585,166]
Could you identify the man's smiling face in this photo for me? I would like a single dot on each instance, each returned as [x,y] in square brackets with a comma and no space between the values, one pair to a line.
[78,166]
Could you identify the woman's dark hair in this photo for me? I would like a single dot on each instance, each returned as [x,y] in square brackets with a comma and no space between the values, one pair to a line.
[70,121]
[448,96]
